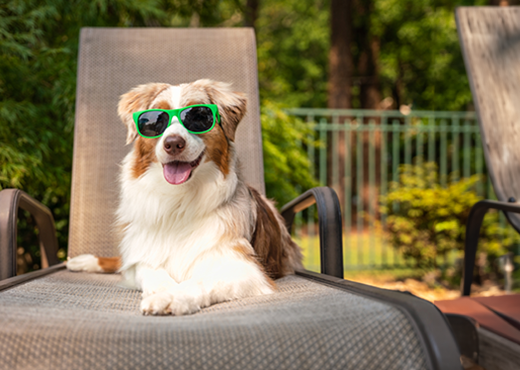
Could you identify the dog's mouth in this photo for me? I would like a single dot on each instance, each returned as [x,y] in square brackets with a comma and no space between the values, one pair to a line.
[178,172]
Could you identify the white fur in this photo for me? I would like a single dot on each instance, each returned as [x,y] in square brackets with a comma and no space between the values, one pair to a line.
[172,94]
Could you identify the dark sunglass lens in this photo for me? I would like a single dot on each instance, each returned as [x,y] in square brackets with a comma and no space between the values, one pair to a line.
[197,119]
[153,123]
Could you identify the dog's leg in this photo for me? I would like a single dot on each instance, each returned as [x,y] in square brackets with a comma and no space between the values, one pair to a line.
[220,278]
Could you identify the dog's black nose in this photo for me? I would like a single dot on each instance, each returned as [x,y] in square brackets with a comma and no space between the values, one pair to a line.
[174,144]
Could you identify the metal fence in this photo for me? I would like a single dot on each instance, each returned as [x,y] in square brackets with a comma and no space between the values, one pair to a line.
[359,153]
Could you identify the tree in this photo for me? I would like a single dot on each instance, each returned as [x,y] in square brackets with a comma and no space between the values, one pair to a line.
[293,40]
[340,54]
[420,59]
[367,46]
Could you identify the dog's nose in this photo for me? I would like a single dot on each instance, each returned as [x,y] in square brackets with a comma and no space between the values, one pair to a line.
[174,144]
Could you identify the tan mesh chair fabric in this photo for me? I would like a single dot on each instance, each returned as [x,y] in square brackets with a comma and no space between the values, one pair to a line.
[91,323]
[111,62]
[490,41]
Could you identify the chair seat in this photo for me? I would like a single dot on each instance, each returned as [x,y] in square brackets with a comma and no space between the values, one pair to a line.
[78,320]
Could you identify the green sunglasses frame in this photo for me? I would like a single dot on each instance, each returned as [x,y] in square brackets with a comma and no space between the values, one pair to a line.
[177,113]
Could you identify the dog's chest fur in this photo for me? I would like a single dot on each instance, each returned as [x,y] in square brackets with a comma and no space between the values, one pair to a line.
[171,226]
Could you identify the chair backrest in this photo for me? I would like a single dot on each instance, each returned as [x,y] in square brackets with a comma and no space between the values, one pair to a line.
[490,41]
[111,62]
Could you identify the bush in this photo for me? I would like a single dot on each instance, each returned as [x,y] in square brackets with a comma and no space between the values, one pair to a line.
[287,168]
[426,220]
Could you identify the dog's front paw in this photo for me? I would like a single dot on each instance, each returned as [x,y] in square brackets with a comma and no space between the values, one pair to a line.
[183,304]
[157,304]
[171,302]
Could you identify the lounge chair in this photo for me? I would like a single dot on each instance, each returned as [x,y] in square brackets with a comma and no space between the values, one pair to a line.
[490,41]
[54,318]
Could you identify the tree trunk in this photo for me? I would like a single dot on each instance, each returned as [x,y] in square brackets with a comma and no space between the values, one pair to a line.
[504,2]
[341,68]
[251,13]
[340,55]
[368,57]
[367,78]
[370,89]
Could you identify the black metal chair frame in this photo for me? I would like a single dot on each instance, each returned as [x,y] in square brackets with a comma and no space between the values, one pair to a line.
[476,216]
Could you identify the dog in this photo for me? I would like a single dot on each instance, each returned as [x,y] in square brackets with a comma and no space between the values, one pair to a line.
[193,232]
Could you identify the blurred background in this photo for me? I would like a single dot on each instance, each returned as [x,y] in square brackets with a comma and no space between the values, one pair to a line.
[369,97]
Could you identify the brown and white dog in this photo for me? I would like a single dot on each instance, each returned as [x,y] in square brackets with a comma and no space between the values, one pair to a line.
[201,238]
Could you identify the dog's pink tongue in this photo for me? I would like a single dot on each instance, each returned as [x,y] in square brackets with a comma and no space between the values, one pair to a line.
[176,172]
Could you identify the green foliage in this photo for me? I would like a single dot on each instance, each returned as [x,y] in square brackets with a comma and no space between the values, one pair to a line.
[420,60]
[426,220]
[36,109]
[292,45]
[420,56]
[288,170]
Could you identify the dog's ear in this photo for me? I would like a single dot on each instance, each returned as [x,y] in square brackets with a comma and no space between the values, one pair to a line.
[231,105]
[139,98]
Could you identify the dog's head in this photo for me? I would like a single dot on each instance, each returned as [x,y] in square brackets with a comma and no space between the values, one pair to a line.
[177,150]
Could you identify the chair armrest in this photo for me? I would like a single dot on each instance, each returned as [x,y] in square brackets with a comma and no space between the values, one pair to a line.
[329,221]
[10,201]
[476,216]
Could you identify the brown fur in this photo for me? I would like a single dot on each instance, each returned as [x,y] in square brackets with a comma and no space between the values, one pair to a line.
[271,240]
[144,155]
[163,104]
[109,264]
[217,149]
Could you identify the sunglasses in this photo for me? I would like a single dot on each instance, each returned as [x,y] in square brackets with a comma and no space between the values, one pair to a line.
[197,119]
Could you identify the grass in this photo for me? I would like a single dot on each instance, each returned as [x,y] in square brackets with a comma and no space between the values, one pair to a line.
[363,251]
[370,260]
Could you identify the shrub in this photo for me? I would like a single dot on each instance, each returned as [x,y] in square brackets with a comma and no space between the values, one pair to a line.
[427,220]
[287,168]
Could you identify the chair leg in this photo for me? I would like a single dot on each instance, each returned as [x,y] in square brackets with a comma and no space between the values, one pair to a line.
[476,216]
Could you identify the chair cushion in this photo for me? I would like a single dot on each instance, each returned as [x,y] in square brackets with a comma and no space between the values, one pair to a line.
[78,320]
